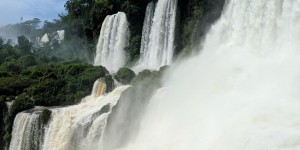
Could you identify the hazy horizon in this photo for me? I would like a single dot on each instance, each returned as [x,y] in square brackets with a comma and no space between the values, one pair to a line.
[11,11]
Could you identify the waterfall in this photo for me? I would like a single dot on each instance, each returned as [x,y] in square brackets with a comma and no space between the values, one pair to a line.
[240,92]
[157,46]
[70,128]
[147,28]
[8,105]
[27,132]
[112,41]
[99,88]
[81,126]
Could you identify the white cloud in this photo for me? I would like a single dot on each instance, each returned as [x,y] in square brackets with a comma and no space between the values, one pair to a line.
[11,11]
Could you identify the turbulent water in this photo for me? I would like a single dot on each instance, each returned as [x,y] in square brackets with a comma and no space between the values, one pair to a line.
[158,35]
[148,20]
[112,41]
[81,126]
[27,132]
[241,92]
[75,127]
[147,27]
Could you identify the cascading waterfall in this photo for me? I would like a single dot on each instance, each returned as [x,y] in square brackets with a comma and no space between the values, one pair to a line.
[99,88]
[157,46]
[112,41]
[240,92]
[81,126]
[27,132]
[147,27]
[79,129]
[69,128]
[146,34]
[8,105]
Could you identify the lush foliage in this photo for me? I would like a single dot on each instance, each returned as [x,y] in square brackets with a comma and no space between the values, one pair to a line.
[190,24]
[49,81]
[147,77]
[29,79]
[21,103]
[196,18]
[62,84]
[84,19]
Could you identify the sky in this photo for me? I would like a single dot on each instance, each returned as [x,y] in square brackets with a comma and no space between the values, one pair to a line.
[11,11]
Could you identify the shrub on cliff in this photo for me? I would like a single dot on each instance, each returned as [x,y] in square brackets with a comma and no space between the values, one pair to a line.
[124,76]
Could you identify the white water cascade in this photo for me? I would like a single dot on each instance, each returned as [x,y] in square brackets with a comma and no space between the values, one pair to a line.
[147,27]
[112,41]
[76,127]
[157,45]
[149,14]
[241,92]
[80,127]
[27,132]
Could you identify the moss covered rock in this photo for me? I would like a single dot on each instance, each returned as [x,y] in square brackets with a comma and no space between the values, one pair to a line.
[45,116]
[105,109]
[147,77]
[124,76]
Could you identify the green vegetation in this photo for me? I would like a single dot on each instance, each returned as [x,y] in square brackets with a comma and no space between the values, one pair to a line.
[146,76]
[48,81]
[135,11]
[21,103]
[84,19]
[190,25]
[124,76]
[3,112]
[30,79]
[196,18]
[63,84]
